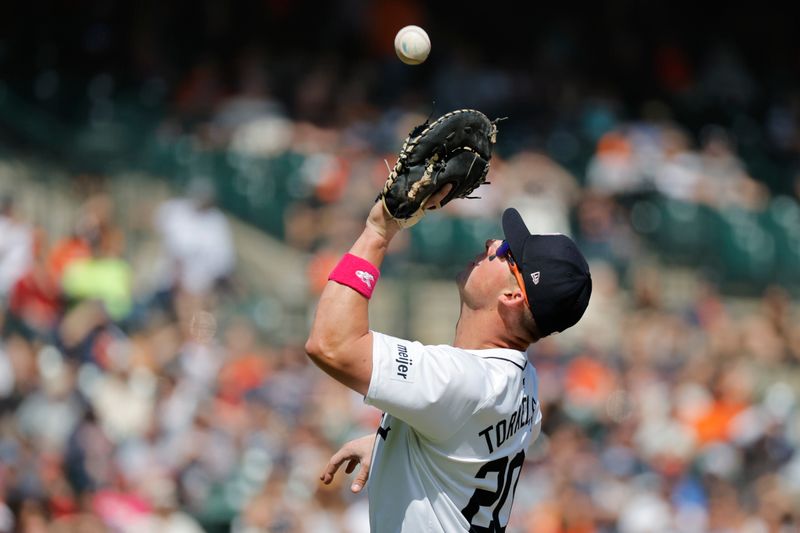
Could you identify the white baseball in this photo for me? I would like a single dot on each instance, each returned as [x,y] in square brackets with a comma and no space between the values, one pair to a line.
[412,45]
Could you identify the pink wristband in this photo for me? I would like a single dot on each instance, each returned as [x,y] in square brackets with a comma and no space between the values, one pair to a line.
[357,273]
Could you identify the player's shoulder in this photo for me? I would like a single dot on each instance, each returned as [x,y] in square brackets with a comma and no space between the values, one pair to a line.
[499,360]
[506,370]
[495,364]
[507,360]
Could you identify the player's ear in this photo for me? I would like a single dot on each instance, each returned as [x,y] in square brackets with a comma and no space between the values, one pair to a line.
[511,308]
[512,297]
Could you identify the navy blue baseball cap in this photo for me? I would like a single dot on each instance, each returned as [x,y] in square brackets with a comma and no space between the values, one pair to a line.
[555,273]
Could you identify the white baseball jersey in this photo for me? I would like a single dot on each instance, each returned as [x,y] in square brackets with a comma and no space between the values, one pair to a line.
[453,437]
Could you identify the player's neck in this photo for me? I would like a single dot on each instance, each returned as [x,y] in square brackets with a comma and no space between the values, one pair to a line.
[480,329]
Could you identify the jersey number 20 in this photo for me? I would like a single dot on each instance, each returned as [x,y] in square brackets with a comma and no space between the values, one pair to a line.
[505,470]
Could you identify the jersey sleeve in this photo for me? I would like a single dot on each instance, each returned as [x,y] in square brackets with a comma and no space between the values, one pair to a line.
[434,389]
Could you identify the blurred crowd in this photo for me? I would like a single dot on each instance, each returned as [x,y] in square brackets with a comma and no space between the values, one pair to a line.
[129,407]
[160,407]
[157,409]
[153,407]
[573,157]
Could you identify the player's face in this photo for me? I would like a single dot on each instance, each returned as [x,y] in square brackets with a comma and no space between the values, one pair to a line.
[484,278]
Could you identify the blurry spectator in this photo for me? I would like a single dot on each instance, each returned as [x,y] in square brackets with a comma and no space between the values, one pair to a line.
[196,239]
[198,359]
[679,174]
[35,298]
[319,267]
[542,191]
[18,356]
[645,512]
[32,517]
[246,365]
[16,246]
[269,511]
[198,91]
[725,179]
[88,458]
[165,516]
[613,169]
[6,518]
[66,250]
[47,416]
[251,121]
[123,397]
[78,523]
[118,507]
[329,511]
[326,175]
[104,277]
[602,231]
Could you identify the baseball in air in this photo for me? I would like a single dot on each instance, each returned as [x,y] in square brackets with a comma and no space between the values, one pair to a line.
[412,45]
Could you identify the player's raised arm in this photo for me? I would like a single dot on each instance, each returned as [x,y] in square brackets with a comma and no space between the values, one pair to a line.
[340,342]
[439,161]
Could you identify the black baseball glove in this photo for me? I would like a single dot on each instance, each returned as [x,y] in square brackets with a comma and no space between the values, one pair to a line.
[455,149]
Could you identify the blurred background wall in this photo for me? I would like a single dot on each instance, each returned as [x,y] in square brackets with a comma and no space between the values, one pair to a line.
[178,178]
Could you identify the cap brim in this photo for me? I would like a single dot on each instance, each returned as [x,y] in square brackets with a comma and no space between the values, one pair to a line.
[515,232]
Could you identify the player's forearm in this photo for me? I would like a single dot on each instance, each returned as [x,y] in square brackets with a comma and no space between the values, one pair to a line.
[342,316]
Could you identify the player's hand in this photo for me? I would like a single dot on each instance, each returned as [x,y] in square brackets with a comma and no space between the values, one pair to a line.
[435,199]
[354,452]
[381,224]
[384,225]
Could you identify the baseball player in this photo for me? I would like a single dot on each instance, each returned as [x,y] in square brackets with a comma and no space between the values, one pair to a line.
[458,419]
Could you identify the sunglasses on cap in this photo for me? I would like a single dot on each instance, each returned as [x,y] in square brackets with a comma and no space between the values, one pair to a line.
[504,252]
